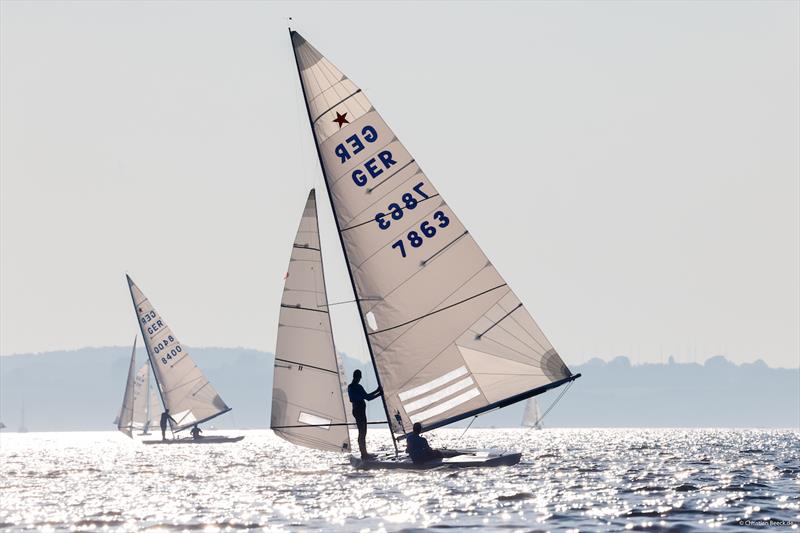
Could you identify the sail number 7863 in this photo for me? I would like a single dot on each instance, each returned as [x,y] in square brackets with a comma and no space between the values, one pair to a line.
[426,231]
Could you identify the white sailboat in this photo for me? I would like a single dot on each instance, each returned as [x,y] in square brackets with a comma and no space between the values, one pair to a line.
[307,394]
[126,413]
[185,392]
[447,337]
[531,417]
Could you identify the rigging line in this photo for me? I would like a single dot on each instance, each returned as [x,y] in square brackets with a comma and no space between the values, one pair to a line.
[448,245]
[558,398]
[303,365]
[479,335]
[467,428]
[368,221]
[334,105]
[298,306]
[438,310]
[352,301]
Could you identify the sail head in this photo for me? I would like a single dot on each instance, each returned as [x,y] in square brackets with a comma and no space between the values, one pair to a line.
[448,335]
[307,395]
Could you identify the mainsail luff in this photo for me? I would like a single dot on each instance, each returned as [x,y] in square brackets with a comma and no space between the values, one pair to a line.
[361,315]
[126,413]
[184,389]
[307,398]
[449,339]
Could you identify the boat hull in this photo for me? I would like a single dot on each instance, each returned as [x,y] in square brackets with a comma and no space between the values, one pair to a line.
[470,458]
[203,440]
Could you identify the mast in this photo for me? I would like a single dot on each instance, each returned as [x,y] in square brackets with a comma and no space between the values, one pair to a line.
[325,288]
[341,240]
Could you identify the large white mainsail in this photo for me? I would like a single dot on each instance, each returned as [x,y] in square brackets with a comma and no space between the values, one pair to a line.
[184,388]
[307,400]
[448,337]
[125,419]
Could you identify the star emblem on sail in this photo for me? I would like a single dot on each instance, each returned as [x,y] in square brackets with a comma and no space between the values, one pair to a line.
[341,119]
[454,340]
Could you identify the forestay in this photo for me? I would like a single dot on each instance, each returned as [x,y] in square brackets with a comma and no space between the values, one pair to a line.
[126,413]
[184,389]
[307,395]
[448,336]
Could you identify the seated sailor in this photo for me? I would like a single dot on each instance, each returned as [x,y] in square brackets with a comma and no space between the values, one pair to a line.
[418,448]
[196,431]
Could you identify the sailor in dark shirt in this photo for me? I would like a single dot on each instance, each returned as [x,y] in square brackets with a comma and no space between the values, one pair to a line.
[165,417]
[359,398]
[418,448]
[196,432]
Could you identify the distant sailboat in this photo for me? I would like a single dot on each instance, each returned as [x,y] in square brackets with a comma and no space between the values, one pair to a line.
[126,412]
[2,426]
[531,417]
[447,337]
[184,389]
[307,393]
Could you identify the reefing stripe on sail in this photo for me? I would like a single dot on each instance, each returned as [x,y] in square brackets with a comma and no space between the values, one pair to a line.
[437,303]
[183,387]
[307,396]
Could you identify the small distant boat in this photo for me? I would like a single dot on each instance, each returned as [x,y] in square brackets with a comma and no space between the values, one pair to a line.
[182,386]
[531,417]
[2,426]
[447,337]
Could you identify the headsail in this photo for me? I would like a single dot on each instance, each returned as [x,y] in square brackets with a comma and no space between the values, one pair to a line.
[184,389]
[140,418]
[307,389]
[448,336]
[126,413]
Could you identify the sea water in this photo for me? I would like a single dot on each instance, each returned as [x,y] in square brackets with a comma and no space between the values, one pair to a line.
[580,479]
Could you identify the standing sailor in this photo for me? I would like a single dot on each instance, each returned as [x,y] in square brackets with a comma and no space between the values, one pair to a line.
[359,398]
[165,416]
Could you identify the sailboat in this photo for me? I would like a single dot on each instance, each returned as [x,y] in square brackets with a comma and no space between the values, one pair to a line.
[184,389]
[125,418]
[308,392]
[531,417]
[139,403]
[447,337]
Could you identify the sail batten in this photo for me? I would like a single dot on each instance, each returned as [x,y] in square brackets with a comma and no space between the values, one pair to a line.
[307,397]
[183,387]
[437,304]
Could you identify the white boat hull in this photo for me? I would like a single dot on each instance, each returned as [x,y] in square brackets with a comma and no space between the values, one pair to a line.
[468,458]
[217,439]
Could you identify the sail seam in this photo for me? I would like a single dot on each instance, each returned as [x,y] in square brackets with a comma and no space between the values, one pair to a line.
[302,247]
[334,105]
[522,354]
[445,247]
[439,310]
[298,306]
[487,330]
[305,365]
[545,348]
[440,351]
[535,350]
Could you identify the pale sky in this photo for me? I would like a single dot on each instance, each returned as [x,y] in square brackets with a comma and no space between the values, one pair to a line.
[631,169]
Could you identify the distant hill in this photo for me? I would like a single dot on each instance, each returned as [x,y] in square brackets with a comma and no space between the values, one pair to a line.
[82,390]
